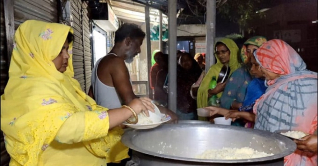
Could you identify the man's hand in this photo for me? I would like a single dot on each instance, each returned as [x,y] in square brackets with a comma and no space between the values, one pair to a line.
[164,110]
[307,144]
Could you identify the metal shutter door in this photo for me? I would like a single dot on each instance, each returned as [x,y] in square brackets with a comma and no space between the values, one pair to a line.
[87,48]
[44,10]
[78,50]
[5,158]
[3,57]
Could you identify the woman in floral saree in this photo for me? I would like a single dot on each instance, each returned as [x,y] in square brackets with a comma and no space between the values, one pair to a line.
[45,116]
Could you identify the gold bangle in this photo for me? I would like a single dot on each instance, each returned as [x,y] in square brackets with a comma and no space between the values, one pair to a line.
[134,113]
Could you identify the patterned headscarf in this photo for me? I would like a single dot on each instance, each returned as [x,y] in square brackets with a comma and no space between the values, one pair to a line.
[279,57]
[256,41]
[290,101]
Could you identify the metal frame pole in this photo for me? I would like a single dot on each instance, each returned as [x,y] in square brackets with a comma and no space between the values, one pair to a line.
[172,95]
[147,18]
[210,34]
[160,31]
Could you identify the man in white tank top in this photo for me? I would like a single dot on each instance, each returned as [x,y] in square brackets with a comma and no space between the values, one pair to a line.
[111,86]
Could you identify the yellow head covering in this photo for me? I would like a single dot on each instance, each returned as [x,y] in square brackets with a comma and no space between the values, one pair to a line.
[202,97]
[38,99]
[196,56]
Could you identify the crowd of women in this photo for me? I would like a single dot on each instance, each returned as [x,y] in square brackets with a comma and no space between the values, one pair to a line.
[48,120]
[264,86]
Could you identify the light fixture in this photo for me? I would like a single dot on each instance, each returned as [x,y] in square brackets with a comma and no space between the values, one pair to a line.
[314,22]
[262,10]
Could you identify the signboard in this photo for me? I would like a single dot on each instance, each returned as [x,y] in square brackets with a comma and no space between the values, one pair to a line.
[112,17]
[200,45]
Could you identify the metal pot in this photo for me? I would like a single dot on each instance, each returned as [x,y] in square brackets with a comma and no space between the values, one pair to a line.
[178,144]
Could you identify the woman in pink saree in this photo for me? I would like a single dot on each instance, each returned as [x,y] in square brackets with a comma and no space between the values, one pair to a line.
[290,101]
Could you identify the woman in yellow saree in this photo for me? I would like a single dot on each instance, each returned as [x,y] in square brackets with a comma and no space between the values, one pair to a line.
[229,47]
[45,116]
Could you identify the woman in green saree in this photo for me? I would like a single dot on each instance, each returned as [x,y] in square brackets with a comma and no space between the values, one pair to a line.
[226,53]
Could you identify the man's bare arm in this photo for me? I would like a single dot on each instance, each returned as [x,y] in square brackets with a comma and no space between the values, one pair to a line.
[121,81]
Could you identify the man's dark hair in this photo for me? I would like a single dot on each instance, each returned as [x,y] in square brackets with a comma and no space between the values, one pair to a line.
[70,37]
[128,30]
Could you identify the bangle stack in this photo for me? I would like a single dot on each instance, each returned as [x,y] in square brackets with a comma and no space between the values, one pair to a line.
[135,118]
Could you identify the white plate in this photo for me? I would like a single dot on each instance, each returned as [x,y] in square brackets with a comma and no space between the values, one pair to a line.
[165,118]
[281,132]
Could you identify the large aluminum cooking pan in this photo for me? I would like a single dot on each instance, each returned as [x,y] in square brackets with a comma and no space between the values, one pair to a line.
[182,142]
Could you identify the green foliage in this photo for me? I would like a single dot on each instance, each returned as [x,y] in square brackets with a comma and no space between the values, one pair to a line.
[241,11]
[238,11]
